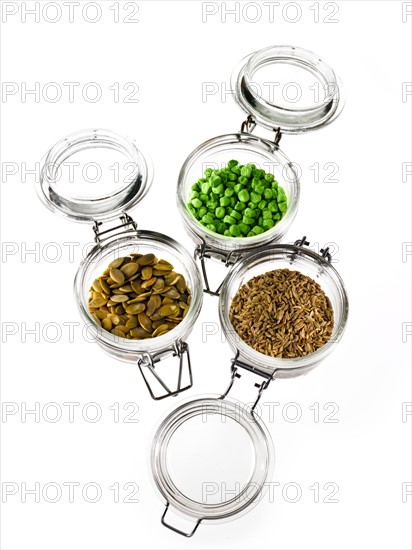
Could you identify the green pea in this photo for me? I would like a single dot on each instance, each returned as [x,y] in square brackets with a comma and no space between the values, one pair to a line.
[239,206]
[255,197]
[197,203]
[250,213]
[232,163]
[277,216]
[268,224]
[273,206]
[229,220]
[244,228]
[260,189]
[232,177]
[206,187]
[229,192]
[208,218]
[211,226]
[233,201]
[234,230]
[235,214]
[269,177]
[251,234]
[194,194]
[212,205]
[243,180]
[238,188]
[227,233]
[267,193]
[208,172]
[224,201]
[248,221]
[202,211]
[267,214]
[258,230]
[244,195]
[236,170]
[282,207]
[221,227]
[220,212]
[262,205]
[203,197]
[246,171]
[195,187]
[218,189]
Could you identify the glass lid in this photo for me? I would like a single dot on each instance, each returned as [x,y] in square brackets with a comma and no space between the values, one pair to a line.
[211,459]
[93,175]
[288,88]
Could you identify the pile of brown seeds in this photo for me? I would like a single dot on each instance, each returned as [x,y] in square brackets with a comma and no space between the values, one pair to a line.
[139,297]
[282,313]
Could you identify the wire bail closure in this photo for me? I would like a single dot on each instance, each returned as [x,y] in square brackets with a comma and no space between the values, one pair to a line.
[148,361]
[203,252]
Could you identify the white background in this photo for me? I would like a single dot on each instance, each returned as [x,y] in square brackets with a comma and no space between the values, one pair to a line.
[170,52]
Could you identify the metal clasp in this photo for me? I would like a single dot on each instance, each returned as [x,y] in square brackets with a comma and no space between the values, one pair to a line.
[236,362]
[202,252]
[148,361]
[249,125]
[127,225]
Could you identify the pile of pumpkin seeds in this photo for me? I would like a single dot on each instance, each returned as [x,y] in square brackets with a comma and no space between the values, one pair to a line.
[139,297]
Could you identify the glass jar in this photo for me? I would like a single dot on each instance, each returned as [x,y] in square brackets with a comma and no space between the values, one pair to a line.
[97,206]
[264,153]
[297,258]
[184,437]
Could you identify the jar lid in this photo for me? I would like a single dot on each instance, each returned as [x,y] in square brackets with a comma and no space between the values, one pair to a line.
[93,175]
[287,88]
[211,459]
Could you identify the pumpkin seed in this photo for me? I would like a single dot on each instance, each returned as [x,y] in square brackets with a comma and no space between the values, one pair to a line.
[153,304]
[119,309]
[161,329]
[169,309]
[147,259]
[126,289]
[117,276]
[139,333]
[159,284]
[96,286]
[147,273]
[149,283]
[97,302]
[145,322]
[118,298]
[116,263]
[105,286]
[135,308]
[130,269]
[107,324]
[171,293]
[181,284]
[117,332]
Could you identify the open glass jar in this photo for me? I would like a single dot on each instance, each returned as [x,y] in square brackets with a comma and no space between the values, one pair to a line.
[99,203]
[228,451]
[269,113]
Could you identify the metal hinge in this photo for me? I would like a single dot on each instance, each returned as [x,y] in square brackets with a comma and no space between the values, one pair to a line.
[203,252]
[249,125]
[127,223]
[236,362]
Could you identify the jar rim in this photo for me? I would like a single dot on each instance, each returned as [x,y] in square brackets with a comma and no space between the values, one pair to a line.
[288,120]
[261,442]
[95,207]
[265,363]
[238,243]
[148,345]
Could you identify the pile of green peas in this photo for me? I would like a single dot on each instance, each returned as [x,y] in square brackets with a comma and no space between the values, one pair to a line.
[237,200]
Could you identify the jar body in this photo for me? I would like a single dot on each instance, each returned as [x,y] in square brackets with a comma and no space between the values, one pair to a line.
[295,258]
[246,148]
[141,242]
